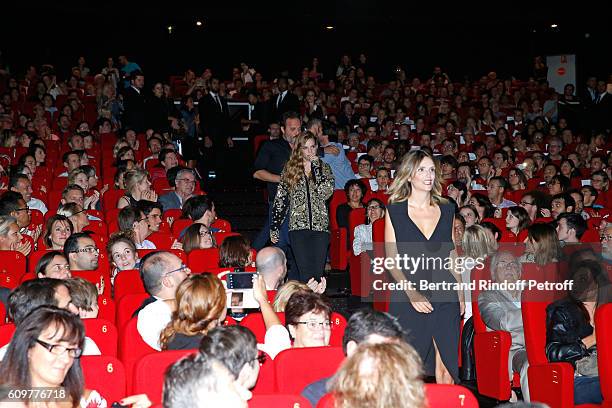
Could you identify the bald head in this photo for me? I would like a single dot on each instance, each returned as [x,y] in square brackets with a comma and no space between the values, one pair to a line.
[272,265]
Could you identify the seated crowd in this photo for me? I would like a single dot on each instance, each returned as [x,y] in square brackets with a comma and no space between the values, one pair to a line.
[96,193]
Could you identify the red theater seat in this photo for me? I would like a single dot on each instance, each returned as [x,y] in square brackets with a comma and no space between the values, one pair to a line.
[298,367]
[149,372]
[106,375]
[104,334]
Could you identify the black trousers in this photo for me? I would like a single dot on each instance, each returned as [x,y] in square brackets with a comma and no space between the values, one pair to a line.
[310,251]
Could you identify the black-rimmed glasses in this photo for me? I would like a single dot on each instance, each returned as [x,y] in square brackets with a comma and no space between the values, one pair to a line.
[59,350]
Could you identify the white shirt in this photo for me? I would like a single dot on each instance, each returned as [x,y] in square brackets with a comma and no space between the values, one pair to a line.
[146,244]
[152,319]
[36,204]
[276,340]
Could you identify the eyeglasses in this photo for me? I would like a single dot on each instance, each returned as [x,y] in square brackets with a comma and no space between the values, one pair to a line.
[182,268]
[26,208]
[89,250]
[261,358]
[315,325]
[59,350]
[205,233]
[373,207]
[186,181]
[78,212]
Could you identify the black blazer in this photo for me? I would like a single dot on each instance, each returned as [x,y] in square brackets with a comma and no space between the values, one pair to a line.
[214,122]
[134,109]
[290,103]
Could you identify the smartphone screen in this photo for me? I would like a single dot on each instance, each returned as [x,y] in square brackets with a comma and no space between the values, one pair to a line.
[240,280]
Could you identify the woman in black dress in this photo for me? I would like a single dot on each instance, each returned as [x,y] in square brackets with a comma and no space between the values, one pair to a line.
[419,225]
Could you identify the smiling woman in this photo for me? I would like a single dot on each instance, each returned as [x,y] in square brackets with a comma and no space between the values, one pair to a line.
[420,222]
[45,352]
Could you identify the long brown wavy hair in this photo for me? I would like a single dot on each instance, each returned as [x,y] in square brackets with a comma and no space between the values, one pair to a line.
[380,375]
[401,189]
[294,169]
[200,302]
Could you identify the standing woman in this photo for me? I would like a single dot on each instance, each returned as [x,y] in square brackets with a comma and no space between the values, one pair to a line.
[306,184]
[419,222]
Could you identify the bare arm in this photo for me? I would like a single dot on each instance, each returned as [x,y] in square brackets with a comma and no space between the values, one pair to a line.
[265,175]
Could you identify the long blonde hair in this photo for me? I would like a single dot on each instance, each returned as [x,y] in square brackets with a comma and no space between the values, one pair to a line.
[401,188]
[477,243]
[294,169]
[378,376]
[200,302]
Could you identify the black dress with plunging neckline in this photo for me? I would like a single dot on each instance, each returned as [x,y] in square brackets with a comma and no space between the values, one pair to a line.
[442,324]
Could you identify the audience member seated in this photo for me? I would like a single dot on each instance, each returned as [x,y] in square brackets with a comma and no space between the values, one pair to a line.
[13,204]
[236,347]
[517,220]
[80,178]
[198,381]
[570,334]
[57,229]
[541,245]
[355,191]
[133,223]
[200,305]
[23,185]
[364,167]
[84,295]
[42,292]
[364,327]
[71,161]
[307,320]
[185,186]
[54,265]
[271,264]
[470,215]
[122,254]
[570,228]
[483,206]
[73,193]
[198,236]
[138,187]
[167,160]
[200,209]
[235,252]
[396,365]
[535,203]
[161,273]
[153,212]
[81,252]
[382,181]
[501,310]
[457,190]
[11,238]
[52,339]
[375,210]
[76,214]
[561,203]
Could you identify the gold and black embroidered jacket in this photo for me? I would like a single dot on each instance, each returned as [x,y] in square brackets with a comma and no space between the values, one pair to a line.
[305,203]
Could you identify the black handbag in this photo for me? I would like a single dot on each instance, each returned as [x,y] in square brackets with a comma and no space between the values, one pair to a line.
[468,366]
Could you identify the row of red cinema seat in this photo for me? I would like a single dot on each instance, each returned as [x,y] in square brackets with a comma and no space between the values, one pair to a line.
[281,379]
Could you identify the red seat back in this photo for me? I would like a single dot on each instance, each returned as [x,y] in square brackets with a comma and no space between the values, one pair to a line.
[106,308]
[534,324]
[203,260]
[222,225]
[131,348]
[99,277]
[149,372]
[128,282]
[12,268]
[104,334]
[179,225]
[106,375]
[126,306]
[298,367]
[162,240]
[220,236]
[449,396]
[339,197]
